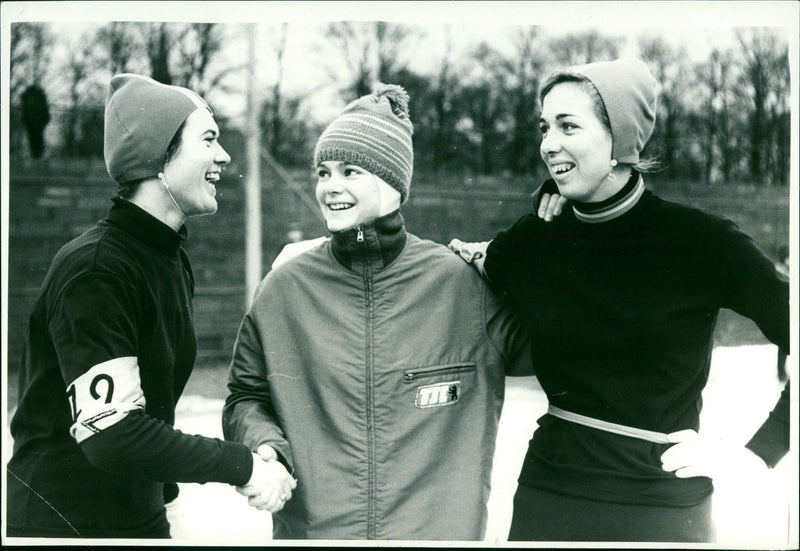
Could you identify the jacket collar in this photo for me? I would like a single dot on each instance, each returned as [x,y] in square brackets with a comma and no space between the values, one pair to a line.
[374,245]
[145,227]
[613,207]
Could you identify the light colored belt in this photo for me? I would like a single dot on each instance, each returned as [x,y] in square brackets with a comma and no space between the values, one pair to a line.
[633,432]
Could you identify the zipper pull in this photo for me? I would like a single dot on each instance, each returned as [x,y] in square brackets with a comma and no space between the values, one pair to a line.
[360,235]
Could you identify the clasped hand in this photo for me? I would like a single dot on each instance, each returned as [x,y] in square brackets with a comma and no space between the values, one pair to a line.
[270,486]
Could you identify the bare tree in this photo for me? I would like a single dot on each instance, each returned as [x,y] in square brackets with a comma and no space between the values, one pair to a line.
[31,44]
[77,70]
[443,118]
[779,160]
[158,47]
[764,82]
[121,43]
[389,43]
[197,44]
[714,81]
[276,102]
[30,47]
[585,47]
[484,100]
[371,51]
[669,69]
[524,146]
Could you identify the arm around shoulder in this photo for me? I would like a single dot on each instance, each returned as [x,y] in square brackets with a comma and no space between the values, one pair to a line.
[509,335]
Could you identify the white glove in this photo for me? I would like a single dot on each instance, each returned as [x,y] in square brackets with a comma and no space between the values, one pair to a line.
[471,253]
[292,250]
[704,455]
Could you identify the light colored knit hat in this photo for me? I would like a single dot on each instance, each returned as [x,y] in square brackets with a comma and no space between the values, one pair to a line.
[142,116]
[628,90]
[373,132]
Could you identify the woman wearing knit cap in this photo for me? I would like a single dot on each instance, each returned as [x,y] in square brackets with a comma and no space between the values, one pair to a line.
[621,294]
[111,342]
[374,364]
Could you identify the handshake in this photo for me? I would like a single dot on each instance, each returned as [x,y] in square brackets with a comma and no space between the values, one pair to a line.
[270,486]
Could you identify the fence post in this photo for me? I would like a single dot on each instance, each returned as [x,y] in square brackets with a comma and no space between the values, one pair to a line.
[253,182]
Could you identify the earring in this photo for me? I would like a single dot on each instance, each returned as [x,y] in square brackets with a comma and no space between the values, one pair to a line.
[611,176]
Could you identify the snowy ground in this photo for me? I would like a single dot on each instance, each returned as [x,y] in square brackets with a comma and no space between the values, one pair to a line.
[750,513]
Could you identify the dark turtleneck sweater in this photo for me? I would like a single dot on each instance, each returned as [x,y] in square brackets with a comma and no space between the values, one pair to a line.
[122,289]
[621,299]
[370,246]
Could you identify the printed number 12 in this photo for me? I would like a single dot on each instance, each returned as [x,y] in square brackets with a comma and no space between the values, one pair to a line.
[72,402]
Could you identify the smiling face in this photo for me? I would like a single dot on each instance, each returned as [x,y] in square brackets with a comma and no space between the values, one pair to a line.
[193,172]
[348,195]
[576,146]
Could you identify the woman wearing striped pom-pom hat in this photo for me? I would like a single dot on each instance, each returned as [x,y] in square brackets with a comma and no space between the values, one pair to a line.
[374,363]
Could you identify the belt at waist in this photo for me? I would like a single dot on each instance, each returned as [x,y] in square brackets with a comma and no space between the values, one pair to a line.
[633,432]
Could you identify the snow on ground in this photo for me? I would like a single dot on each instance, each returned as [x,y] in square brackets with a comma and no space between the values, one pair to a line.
[752,512]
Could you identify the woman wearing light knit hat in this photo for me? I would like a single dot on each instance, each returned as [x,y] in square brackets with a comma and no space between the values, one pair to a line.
[621,294]
[374,363]
[111,342]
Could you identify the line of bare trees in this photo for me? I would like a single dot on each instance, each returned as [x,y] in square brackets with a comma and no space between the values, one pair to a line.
[723,119]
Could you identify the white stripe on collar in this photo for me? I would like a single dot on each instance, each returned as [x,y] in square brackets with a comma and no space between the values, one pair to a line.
[616,210]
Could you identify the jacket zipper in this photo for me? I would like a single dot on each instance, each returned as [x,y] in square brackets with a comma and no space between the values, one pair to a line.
[412,374]
[371,475]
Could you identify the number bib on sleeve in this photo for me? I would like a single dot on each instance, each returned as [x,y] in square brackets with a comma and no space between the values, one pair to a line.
[104,395]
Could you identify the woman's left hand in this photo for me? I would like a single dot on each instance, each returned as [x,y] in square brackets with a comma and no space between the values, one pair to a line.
[696,454]
[551,205]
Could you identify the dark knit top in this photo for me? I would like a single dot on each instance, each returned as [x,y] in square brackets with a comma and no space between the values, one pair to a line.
[621,300]
[122,289]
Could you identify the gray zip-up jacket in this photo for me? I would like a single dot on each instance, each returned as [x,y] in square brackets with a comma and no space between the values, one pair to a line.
[374,364]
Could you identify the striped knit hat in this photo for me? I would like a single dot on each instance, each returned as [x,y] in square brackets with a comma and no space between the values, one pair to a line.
[373,132]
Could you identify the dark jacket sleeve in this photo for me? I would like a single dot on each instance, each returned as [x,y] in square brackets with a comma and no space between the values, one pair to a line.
[144,447]
[95,319]
[505,262]
[754,288]
[248,415]
[509,335]
[771,441]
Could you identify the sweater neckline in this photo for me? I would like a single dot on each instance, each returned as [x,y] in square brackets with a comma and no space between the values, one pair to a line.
[145,227]
[374,245]
[613,207]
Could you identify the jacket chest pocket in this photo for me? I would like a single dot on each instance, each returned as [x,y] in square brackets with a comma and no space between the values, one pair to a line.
[440,385]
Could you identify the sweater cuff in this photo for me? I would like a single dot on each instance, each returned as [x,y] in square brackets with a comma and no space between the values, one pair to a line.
[768,442]
[236,463]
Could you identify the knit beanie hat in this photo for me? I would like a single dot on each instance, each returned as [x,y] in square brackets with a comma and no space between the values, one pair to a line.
[142,117]
[373,132]
[628,91]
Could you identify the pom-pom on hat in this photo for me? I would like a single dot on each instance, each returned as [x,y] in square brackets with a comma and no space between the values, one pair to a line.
[142,116]
[373,132]
[628,90]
